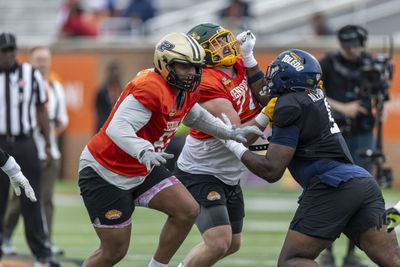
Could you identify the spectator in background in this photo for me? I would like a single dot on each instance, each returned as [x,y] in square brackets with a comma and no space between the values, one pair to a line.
[138,12]
[40,58]
[236,15]
[73,21]
[108,93]
[320,25]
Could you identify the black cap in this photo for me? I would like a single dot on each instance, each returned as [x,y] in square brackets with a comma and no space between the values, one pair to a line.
[352,36]
[7,40]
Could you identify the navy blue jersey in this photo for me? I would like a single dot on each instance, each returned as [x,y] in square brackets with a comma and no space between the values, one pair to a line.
[303,120]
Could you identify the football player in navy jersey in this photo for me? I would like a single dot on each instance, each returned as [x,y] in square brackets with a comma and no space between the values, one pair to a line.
[338,196]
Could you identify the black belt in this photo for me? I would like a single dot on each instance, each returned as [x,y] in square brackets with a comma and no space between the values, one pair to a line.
[258,147]
[13,138]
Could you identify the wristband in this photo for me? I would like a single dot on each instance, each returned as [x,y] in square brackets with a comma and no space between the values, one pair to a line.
[262,119]
[236,148]
[249,61]
[252,79]
[11,167]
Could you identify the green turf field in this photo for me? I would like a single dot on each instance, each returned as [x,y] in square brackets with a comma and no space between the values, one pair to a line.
[268,213]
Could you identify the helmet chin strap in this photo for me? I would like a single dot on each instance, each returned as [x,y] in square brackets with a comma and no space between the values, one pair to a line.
[180,99]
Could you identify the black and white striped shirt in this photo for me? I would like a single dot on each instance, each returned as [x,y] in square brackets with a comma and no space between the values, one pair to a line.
[21,90]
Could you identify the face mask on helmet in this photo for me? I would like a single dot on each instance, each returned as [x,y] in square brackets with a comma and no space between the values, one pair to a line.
[293,70]
[187,82]
[179,49]
[221,47]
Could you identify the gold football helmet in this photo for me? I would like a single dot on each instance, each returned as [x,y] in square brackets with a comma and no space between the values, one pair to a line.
[179,47]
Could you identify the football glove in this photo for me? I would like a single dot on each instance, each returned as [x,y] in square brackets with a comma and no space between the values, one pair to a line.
[268,110]
[247,40]
[150,157]
[393,217]
[19,181]
[240,134]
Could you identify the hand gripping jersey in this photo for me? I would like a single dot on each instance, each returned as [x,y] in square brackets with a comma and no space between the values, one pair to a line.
[216,84]
[151,90]
[205,155]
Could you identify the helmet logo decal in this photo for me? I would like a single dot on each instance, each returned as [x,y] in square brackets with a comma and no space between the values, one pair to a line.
[294,61]
[165,45]
[195,36]
[272,70]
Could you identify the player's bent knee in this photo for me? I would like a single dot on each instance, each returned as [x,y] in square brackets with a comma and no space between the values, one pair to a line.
[219,248]
[115,254]
[188,212]
[235,246]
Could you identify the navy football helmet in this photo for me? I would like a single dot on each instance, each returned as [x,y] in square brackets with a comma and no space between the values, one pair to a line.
[293,70]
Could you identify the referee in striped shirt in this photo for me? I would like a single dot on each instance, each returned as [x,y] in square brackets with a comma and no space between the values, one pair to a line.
[22,109]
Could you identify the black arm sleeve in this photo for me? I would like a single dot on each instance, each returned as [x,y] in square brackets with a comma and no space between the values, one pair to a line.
[3,157]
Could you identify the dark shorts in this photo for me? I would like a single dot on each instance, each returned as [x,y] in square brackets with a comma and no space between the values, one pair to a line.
[111,207]
[352,208]
[209,191]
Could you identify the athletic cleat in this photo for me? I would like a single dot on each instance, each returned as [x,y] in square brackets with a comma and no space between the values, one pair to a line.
[8,247]
[57,250]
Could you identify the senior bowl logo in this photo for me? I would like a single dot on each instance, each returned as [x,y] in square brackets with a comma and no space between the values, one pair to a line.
[213,196]
[113,214]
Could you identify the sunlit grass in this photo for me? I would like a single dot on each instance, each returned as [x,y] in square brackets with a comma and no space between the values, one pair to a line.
[269,209]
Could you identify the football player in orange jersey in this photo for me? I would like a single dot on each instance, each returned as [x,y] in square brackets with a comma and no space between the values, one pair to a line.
[205,166]
[121,165]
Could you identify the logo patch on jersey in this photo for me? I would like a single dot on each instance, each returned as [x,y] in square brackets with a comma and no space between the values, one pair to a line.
[226,81]
[294,61]
[165,46]
[171,113]
[172,126]
[213,195]
[113,214]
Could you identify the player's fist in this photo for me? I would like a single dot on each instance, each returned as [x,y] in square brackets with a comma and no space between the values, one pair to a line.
[393,217]
[247,41]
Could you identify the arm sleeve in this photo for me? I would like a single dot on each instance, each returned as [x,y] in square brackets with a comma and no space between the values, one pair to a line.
[130,117]
[202,120]
[288,136]
[3,157]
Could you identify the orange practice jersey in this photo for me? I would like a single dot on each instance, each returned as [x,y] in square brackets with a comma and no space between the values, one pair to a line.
[217,84]
[151,90]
